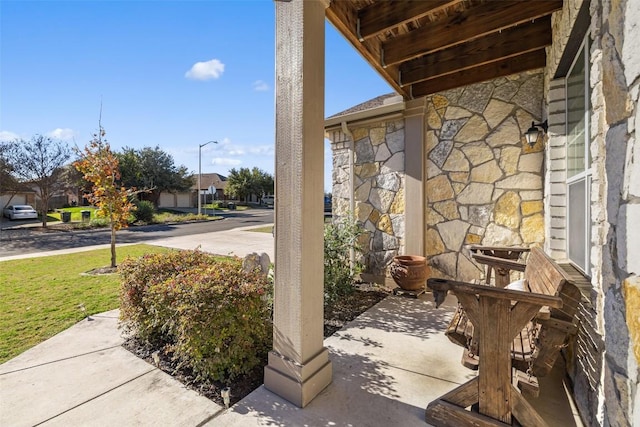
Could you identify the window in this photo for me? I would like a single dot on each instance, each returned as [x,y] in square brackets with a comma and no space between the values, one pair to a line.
[579,161]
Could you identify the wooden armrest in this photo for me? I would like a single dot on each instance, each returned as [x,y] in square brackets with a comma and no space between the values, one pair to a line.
[544,313]
[497,262]
[480,248]
[443,285]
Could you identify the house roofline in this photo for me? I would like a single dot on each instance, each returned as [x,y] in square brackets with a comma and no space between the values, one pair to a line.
[365,115]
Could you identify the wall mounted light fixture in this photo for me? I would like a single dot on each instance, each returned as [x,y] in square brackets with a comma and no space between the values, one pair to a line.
[533,132]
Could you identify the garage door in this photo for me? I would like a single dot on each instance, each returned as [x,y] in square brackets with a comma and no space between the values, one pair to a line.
[166,200]
[18,199]
[184,200]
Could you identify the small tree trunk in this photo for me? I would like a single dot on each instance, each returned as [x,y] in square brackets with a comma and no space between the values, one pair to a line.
[43,209]
[113,246]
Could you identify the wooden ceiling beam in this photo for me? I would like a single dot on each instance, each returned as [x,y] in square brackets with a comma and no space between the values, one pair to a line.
[465,26]
[383,16]
[505,67]
[494,47]
[344,19]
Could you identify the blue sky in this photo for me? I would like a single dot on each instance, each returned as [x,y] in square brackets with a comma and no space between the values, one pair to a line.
[170,73]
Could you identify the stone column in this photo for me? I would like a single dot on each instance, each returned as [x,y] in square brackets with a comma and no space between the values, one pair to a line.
[414,177]
[299,366]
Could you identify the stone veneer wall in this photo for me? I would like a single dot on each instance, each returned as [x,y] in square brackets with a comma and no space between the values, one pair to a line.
[615,78]
[607,351]
[378,187]
[484,183]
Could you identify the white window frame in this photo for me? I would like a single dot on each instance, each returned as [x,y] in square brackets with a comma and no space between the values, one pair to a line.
[586,174]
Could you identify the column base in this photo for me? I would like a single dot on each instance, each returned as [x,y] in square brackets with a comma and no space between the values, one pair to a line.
[297,383]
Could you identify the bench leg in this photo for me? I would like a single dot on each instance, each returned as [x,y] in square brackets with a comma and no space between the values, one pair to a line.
[523,411]
[450,410]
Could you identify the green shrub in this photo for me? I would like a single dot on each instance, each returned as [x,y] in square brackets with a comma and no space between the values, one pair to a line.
[339,273]
[99,222]
[139,314]
[215,316]
[144,211]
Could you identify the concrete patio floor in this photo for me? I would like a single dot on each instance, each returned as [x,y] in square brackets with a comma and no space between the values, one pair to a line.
[388,365]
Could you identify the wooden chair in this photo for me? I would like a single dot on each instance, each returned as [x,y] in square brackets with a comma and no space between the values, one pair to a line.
[496,317]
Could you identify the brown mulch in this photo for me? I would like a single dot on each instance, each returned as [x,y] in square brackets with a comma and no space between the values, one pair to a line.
[335,317]
[101,270]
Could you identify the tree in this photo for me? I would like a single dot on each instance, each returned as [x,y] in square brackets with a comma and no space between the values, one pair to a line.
[73,182]
[8,184]
[263,182]
[99,166]
[152,171]
[239,183]
[244,182]
[39,162]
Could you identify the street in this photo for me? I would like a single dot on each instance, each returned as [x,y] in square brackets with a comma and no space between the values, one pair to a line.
[25,240]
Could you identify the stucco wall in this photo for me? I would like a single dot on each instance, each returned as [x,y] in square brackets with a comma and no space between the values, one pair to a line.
[484,183]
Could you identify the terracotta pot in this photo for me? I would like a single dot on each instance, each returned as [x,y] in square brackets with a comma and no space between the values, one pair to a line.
[409,271]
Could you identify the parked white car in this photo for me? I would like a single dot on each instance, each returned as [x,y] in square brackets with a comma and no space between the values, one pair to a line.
[268,201]
[20,212]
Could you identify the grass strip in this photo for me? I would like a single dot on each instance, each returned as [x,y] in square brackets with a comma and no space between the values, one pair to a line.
[40,297]
[265,229]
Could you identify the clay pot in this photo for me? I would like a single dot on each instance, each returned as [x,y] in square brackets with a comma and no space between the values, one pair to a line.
[409,271]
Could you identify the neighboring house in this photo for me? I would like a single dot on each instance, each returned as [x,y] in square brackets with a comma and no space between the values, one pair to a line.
[29,196]
[183,199]
[445,164]
[189,199]
[219,182]
[17,198]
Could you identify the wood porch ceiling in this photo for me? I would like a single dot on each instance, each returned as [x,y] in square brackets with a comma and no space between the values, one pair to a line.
[426,46]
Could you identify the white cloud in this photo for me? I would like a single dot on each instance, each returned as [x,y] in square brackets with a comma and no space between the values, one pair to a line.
[5,135]
[263,150]
[235,151]
[260,86]
[207,70]
[222,161]
[62,133]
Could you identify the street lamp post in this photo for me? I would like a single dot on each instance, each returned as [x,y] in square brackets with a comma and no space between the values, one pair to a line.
[200,173]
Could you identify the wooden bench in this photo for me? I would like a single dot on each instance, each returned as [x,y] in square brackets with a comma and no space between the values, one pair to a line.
[507,328]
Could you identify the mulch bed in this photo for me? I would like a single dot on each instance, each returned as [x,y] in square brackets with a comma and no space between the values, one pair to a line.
[336,317]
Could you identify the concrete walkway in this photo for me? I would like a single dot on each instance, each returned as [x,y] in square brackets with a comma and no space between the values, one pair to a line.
[239,242]
[387,366]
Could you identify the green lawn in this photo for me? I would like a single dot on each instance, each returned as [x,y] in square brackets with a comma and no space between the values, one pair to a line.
[265,229]
[39,297]
[217,207]
[76,214]
[163,216]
